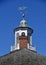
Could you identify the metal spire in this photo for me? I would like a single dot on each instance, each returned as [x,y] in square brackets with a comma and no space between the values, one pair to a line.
[22,9]
[23,22]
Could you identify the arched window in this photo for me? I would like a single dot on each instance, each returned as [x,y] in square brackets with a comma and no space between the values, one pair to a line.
[23,33]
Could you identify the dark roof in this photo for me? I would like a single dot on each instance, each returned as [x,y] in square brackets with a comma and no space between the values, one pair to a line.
[23,28]
[23,57]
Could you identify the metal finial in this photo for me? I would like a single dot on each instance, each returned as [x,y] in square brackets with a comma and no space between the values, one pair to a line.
[22,9]
[23,15]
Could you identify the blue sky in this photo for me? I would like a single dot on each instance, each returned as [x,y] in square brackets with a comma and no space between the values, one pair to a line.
[10,18]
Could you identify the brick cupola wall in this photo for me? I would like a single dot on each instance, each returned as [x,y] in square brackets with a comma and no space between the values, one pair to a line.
[23,41]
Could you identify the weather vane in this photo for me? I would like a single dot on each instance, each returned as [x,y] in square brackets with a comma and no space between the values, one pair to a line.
[22,9]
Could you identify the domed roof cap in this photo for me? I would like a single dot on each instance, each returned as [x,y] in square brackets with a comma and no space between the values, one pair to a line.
[23,23]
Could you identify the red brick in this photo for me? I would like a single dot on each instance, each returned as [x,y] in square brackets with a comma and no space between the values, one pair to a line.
[23,41]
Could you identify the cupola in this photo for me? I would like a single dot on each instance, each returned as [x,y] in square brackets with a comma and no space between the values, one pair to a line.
[23,37]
